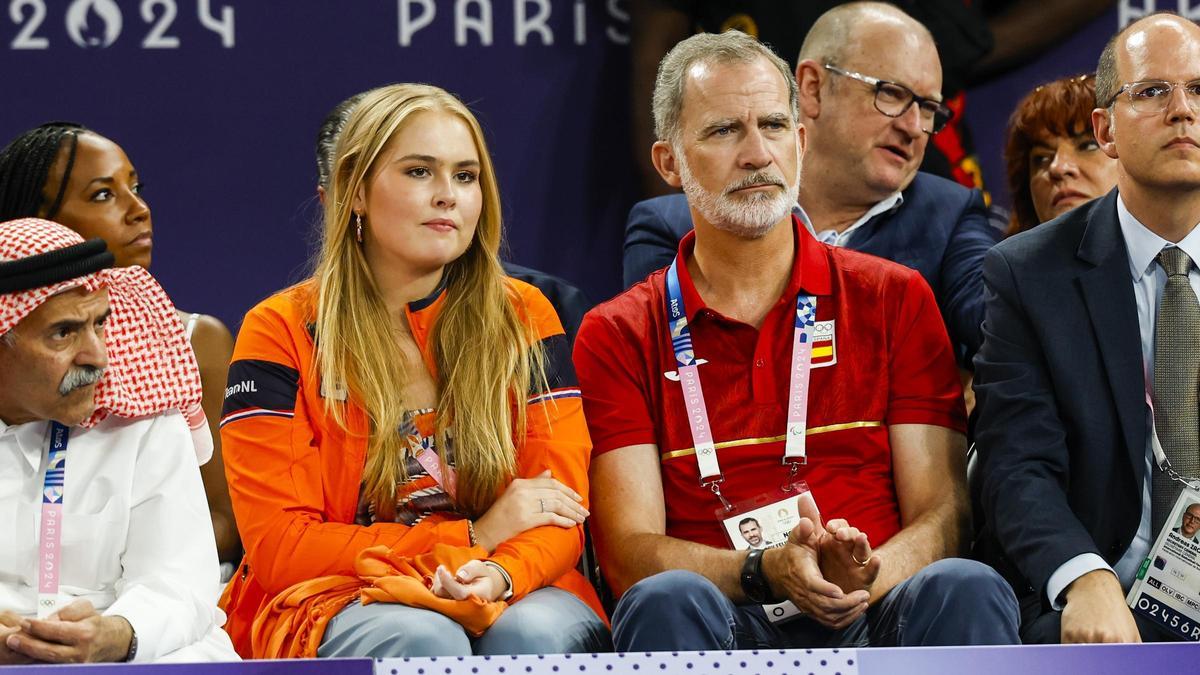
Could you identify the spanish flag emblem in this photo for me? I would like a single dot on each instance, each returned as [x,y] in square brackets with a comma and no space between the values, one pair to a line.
[824,349]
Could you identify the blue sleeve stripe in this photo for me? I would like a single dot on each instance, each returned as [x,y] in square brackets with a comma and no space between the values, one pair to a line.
[555,394]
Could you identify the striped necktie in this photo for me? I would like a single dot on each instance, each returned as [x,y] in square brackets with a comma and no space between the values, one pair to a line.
[1176,378]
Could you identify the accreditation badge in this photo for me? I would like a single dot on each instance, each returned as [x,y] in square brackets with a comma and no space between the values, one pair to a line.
[764,522]
[1167,588]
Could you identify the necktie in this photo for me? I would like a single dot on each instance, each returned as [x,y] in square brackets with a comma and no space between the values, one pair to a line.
[1176,378]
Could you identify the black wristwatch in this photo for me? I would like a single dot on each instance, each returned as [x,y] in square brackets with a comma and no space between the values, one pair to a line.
[754,584]
[133,645]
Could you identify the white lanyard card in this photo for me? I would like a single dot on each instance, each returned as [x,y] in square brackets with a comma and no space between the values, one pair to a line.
[764,522]
[1167,588]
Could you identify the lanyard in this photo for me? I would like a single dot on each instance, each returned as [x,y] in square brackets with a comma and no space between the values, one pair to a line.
[693,395]
[1160,455]
[53,490]
[427,456]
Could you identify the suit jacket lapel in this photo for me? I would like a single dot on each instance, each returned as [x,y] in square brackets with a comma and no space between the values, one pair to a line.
[1108,293]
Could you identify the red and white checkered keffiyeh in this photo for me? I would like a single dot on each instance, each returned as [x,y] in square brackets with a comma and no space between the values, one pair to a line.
[151,366]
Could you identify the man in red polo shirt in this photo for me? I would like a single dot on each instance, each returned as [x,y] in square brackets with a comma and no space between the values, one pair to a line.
[760,365]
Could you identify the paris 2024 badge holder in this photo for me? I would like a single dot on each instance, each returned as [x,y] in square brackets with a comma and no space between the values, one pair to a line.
[763,522]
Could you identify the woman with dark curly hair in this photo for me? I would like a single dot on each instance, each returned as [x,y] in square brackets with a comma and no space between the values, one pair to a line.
[1054,163]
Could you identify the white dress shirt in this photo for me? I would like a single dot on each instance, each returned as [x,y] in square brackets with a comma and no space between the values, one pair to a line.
[137,539]
[1149,278]
[835,238]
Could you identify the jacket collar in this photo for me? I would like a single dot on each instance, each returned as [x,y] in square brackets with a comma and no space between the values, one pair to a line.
[427,301]
[1102,236]
[1108,296]
[1144,245]
[421,315]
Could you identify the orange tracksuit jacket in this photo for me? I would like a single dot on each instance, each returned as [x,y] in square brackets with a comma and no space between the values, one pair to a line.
[294,473]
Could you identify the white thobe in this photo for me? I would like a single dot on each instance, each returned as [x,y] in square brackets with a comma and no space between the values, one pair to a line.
[137,538]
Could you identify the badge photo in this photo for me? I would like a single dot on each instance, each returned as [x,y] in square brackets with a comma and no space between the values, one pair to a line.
[1167,588]
[763,522]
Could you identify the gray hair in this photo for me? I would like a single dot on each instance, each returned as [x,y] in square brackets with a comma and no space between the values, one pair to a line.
[729,47]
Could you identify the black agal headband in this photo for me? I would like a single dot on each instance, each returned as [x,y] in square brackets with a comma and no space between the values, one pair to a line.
[46,269]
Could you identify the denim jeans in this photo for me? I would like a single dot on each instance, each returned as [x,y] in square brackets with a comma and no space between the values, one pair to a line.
[950,602]
[547,621]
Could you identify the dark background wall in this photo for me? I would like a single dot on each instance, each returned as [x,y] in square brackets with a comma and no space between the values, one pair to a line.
[990,105]
[222,134]
[219,115]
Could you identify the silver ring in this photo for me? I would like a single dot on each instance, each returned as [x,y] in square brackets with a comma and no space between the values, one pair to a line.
[541,505]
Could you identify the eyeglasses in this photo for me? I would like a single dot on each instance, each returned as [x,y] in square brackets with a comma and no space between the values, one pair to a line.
[1153,96]
[893,100]
[1190,518]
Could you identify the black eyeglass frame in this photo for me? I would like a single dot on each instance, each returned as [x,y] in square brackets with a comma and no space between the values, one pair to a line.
[941,115]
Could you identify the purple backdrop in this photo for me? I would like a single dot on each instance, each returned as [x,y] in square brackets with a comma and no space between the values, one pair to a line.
[221,126]
[989,106]
[217,103]
[1028,660]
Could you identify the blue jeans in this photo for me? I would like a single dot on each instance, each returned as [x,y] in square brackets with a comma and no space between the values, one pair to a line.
[951,602]
[547,621]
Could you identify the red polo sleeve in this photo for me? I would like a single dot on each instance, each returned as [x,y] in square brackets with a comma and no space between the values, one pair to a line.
[925,388]
[611,362]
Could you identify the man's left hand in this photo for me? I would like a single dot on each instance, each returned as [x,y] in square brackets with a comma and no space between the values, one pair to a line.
[846,557]
[76,633]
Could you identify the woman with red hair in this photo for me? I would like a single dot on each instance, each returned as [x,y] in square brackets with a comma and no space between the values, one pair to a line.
[1054,163]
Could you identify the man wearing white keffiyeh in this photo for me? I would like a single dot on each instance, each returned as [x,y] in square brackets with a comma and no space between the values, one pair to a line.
[96,360]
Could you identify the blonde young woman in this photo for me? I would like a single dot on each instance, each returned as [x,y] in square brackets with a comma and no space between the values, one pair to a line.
[408,352]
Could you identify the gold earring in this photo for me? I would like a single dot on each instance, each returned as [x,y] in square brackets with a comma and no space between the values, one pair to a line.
[358,227]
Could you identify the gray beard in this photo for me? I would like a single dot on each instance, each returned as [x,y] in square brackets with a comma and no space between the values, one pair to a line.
[79,376]
[750,217]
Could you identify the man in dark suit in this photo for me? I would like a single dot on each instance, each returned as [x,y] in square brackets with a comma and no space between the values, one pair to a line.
[1089,317]
[861,188]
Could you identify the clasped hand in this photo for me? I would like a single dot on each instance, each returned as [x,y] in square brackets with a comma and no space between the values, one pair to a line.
[526,503]
[76,633]
[826,571]
[474,578]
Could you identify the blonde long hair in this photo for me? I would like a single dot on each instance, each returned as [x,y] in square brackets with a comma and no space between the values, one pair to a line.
[485,349]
